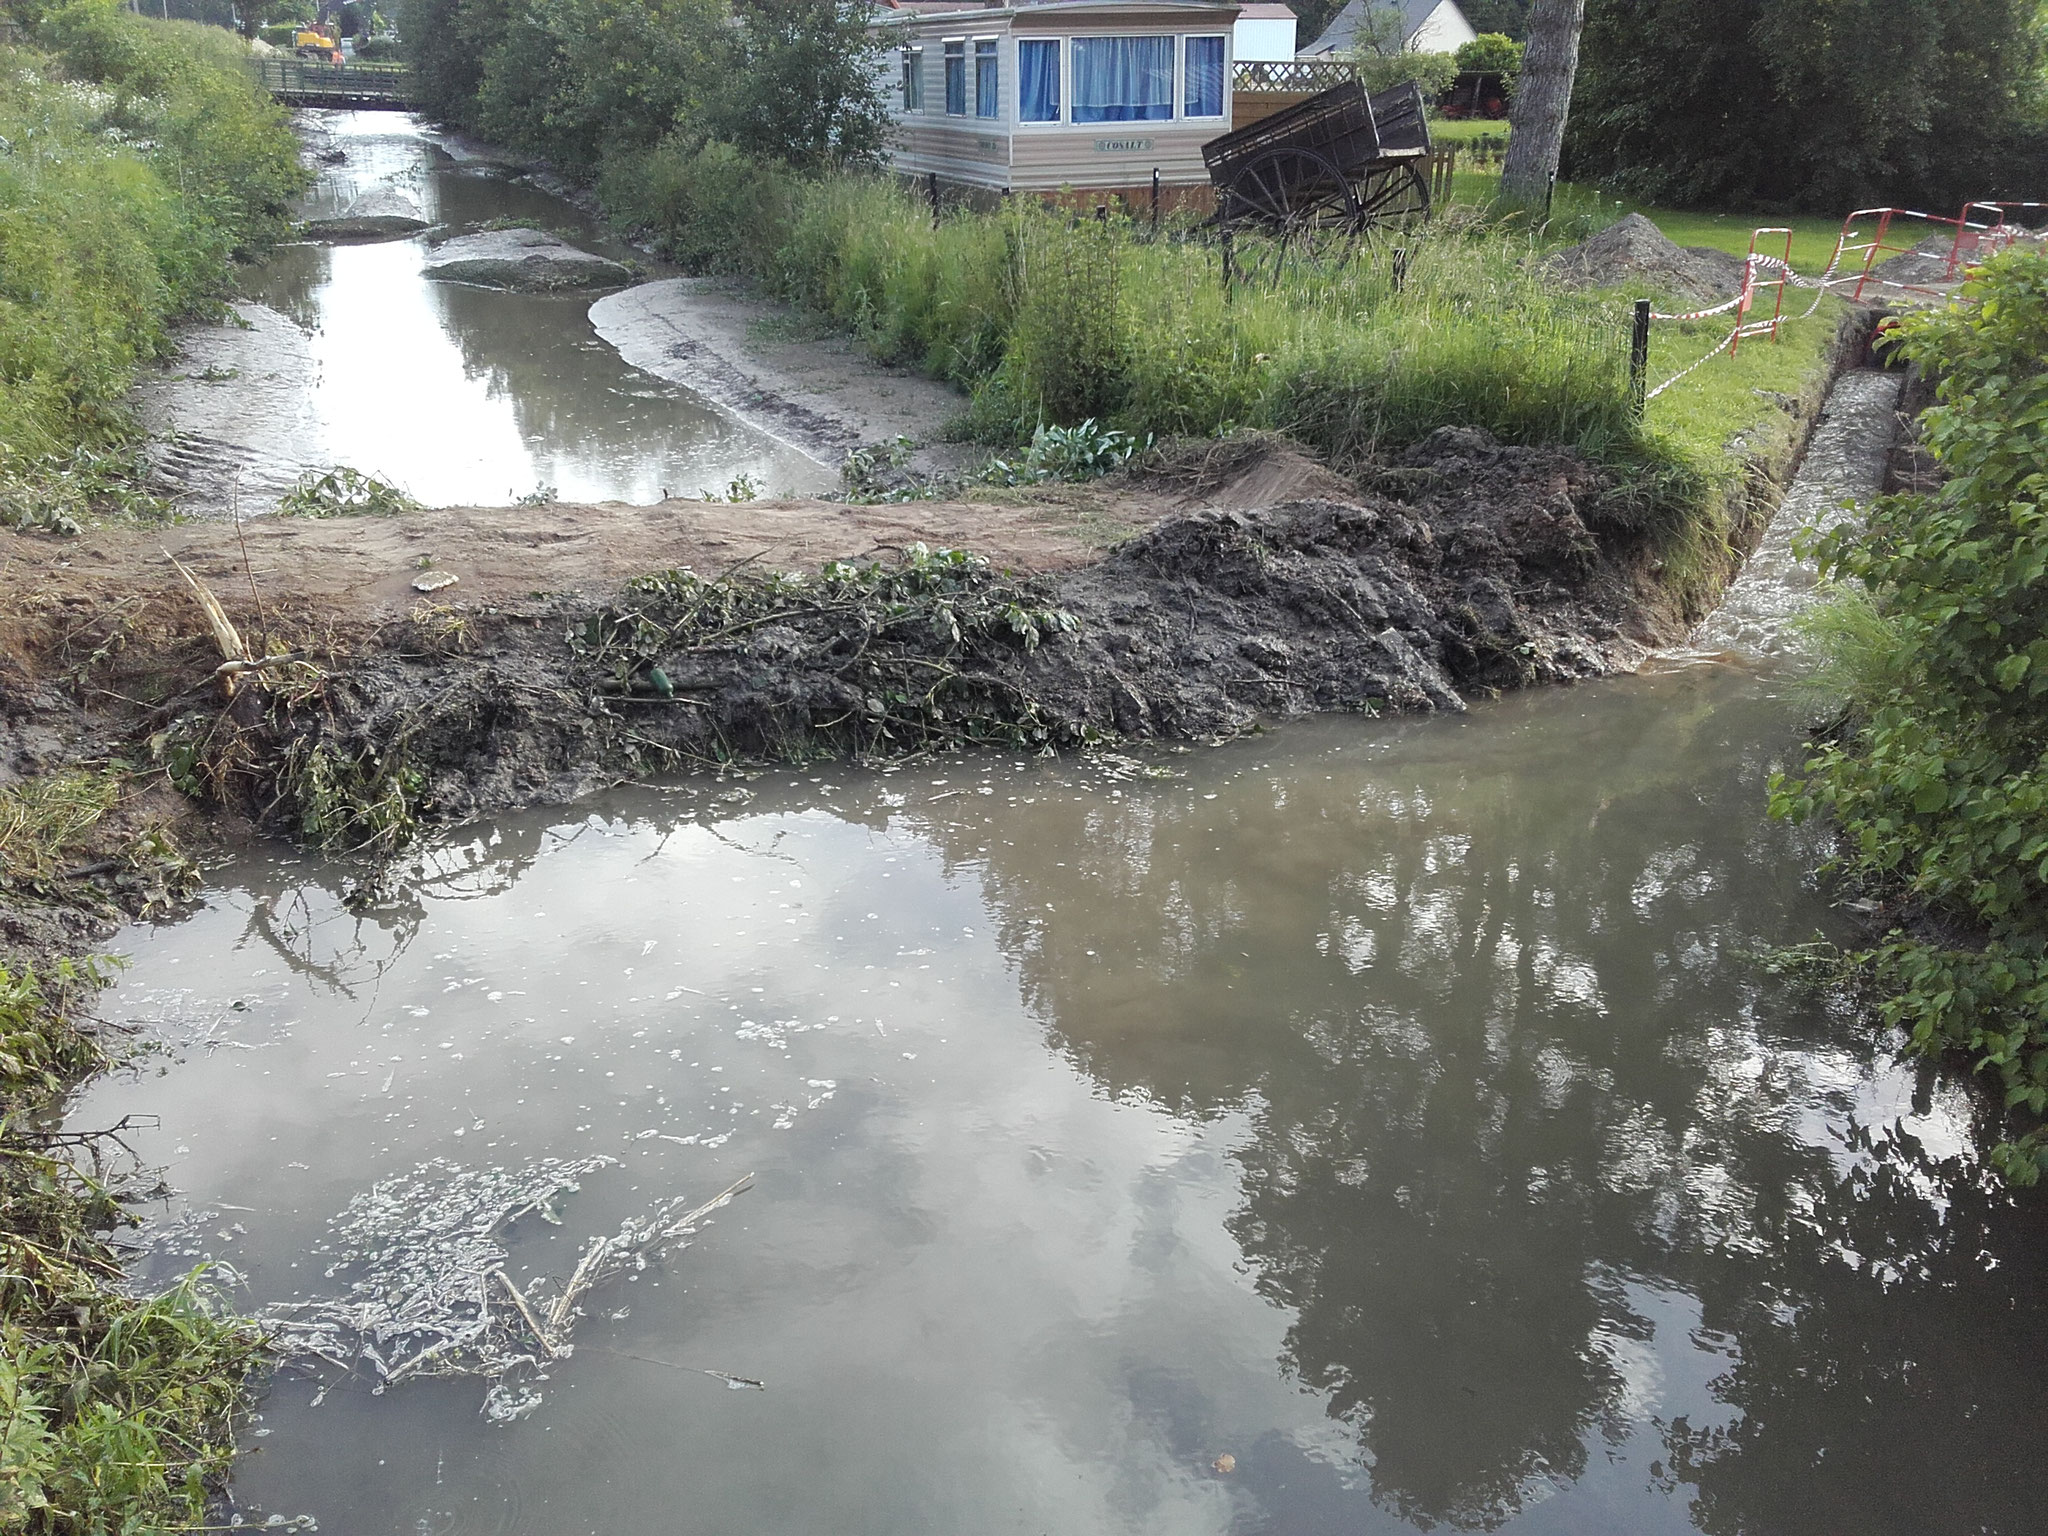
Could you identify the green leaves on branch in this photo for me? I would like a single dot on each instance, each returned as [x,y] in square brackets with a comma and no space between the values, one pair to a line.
[1940,787]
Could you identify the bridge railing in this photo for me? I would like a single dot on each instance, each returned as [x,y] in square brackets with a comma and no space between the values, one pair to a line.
[308,79]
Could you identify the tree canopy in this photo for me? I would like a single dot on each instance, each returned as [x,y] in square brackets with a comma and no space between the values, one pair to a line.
[586,82]
[1820,107]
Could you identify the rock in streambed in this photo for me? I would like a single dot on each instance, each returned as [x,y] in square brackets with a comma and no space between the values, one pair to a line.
[382,213]
[525,260]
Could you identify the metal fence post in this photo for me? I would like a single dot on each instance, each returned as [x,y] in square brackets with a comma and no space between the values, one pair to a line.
[932,191]
[1639,359]
[1155,199]
[1227,272]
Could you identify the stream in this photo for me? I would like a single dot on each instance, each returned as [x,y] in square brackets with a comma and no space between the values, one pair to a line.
[1377,1125]
[350,355]
[1394,1108]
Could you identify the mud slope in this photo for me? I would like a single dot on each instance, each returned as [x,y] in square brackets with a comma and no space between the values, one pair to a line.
[1470,567]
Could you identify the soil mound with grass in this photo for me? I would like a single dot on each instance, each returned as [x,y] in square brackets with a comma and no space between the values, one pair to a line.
[1636,251]
[1468,567]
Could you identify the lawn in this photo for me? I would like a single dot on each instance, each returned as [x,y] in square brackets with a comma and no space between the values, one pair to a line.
[1730,395]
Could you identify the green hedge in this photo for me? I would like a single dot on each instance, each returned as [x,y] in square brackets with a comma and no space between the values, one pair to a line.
[1940,785]
[144,160]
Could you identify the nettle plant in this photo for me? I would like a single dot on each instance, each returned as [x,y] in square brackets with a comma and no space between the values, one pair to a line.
[1939,785]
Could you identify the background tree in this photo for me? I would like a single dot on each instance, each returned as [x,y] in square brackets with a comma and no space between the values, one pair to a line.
[1510,17]
[1543,100]
[1761,105]
[802,85]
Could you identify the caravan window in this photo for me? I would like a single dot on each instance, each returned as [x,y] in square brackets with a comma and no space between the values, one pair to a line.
[988,98]
[913,79]
[1202,95]
[956,77]
[1038,80]
[1123,79]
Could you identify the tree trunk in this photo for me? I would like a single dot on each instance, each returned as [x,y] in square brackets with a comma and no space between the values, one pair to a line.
[1542,100]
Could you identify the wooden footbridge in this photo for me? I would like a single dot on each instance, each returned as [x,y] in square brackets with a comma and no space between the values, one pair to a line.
[357,87]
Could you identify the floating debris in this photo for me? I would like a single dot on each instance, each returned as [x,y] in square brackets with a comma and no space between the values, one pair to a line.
[428,1295]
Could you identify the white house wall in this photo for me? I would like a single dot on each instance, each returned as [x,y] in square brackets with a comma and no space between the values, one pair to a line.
[1263,37]
[1002,153]
[1445,31]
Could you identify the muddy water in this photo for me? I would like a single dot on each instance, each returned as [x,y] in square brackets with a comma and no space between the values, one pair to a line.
[466,394]
[1391,1108]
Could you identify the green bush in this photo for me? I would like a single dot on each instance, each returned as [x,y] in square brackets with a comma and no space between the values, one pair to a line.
[1491,53]
[583,82]
[1050,320]
[1434,72]
[1940,785]
[144,160]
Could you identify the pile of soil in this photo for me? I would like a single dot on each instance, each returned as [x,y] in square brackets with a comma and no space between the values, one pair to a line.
[1637,251]
[1475,567]
[1462,568]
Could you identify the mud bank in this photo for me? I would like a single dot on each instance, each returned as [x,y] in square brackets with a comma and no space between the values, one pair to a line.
[780,372]
[1465,567]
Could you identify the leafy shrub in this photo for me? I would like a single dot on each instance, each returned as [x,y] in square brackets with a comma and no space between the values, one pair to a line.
[1493,53]
[1080,452]
[143,159]
[344,492]
[1434,72]
[1940,784]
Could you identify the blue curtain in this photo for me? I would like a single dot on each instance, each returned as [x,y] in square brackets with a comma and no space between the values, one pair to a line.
[1204,78]
[1123,79]
[988,100]
[956,80]
[1038,80]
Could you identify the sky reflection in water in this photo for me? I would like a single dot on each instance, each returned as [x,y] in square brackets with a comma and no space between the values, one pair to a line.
[1389,1105]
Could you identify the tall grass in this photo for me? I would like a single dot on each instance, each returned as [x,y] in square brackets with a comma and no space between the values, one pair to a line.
[1048,319]
[141,159]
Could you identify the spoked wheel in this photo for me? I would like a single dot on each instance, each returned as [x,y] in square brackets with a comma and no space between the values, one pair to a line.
[1304,207]
[1391,199]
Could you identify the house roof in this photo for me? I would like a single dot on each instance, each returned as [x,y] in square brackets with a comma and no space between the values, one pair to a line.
[1262,10]
[900,11]
[1342,33]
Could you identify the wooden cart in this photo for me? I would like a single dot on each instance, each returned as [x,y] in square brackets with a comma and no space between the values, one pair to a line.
[1324,174]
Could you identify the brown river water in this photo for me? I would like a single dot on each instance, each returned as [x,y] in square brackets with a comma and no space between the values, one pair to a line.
[1375,1126]
[458,394]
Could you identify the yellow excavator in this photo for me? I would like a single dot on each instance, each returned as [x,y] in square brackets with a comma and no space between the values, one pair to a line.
[319,41]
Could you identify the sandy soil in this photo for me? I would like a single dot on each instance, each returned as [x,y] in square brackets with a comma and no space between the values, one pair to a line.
[767,365]
[364,568]
[361,570]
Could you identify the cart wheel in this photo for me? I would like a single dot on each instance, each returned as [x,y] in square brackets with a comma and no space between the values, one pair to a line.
[1303,205]
[1395,196]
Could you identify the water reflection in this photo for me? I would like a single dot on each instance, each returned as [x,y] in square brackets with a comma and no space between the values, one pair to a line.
[1515,1083]
[466,394]
[1415,1131]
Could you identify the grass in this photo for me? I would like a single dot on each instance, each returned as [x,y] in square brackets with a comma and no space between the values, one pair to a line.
[1444,131]
[138,160]
[141,160]
[1723,399]
[1586,207]
[116,1413]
